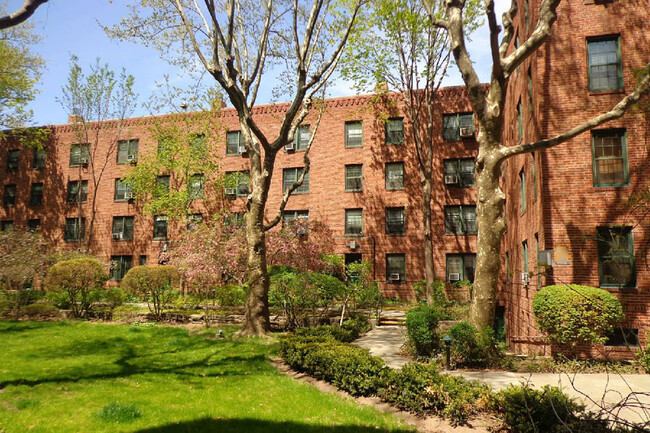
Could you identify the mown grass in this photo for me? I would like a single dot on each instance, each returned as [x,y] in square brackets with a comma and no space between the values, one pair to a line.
[86,377]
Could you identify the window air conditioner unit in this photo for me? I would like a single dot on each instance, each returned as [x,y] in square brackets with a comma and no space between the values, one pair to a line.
[84,161]
[454,277]
[353,245]
[393,277]
[130,157]
[451,179]
[301,231]
[242,150]
[524,277]
[289,147]
[466,131]
[117,236]
[128,195]
[230,191]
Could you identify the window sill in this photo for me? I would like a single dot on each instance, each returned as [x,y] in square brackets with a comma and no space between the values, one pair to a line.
[160,239]
[620,91]
[630,289]
[353,190]
[615,185]
[395,234]
[356,235]
[396,282]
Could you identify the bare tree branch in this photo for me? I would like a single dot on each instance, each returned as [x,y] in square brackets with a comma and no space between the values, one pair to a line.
[26,10]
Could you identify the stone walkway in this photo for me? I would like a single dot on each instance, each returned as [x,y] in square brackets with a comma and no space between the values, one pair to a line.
[592,389]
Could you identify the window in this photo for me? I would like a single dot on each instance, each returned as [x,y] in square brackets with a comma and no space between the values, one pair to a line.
[74,194]
[395,131]
[301,137]
[395,221]
[234,219]
[234,144]
[123,228]
[453,123]
[127,151]
[120,265]
[73,232]
[39,158]
[354,177]
[198,148]
[396,268]
[34,224]
[13,159]
[520,121]
[531,100]
[162,186]
[534,177]
[79,154]
[461,267]
[291,215]
[194,220]
[196,186]
[616,266]
[143,260]
[353,134]
[524,257]
[165,145]
[160,227]
[9,197]
[460,172]
[522,190]
[354,222]
[290,176]
[623,337]
[123,190]
[36,194]
[507,268]
[604,62]
[394,175]
[460,219]
[237,183]
[610,157]
[7,226]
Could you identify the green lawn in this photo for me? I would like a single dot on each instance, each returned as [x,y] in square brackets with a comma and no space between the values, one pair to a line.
[85,377]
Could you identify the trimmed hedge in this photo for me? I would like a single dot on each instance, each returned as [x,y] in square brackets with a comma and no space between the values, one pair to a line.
[572,314]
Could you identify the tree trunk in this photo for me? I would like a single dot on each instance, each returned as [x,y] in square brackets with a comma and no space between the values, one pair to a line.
[429,268]
[256,319]
[491,226]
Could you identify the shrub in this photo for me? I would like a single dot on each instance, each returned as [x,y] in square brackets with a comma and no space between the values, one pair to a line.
[336,332]
[643,357]
[420,389]
[475,348]
[40,311]
[79,279]
[572,314]
[153,283]
[422,330]
[230,295]
[527,410]
[115,297]
[357,325]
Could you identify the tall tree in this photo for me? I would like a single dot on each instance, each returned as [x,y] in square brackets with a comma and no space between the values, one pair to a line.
[19,72]
[489,108]
[294,44]
[97,97]
[397,45]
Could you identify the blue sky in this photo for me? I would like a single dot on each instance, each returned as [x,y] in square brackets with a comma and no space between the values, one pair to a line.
[71,27]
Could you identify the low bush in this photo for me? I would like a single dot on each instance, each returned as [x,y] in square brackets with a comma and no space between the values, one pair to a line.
[336,332]
[643,357]
[349,367]
[230,295]
[420,389]
[80,280]
[357,325]
[153,283]
[422,330]
[473,348]
[527,410]
[115,297]
[40,311]
[572,314]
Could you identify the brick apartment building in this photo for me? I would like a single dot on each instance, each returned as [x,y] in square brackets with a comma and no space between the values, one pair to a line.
[364,183]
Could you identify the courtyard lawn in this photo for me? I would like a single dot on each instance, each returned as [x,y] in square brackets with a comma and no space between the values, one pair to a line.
[86,377]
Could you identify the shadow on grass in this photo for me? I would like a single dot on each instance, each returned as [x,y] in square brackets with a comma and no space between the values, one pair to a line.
[254,426]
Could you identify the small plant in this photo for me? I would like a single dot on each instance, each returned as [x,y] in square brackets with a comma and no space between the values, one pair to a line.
[643,357]
[154,283]
[119,413]
[571,314]
[40,311]
[527,410]
[115,297]
[422,330]
[475,348]
[79,280]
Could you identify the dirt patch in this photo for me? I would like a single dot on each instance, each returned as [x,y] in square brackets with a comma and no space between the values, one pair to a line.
[429,424]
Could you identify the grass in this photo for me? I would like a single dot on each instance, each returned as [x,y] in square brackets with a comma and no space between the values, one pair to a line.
[78,376]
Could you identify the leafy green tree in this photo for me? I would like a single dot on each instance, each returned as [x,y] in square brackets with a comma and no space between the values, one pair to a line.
[246,45]
[21,69]
[97,97]
[396,44]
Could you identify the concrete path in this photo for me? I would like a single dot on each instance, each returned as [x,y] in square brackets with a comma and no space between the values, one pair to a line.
[592,389]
